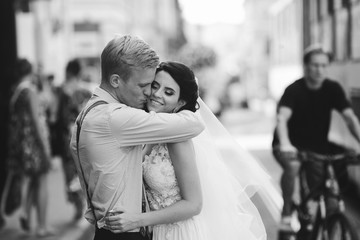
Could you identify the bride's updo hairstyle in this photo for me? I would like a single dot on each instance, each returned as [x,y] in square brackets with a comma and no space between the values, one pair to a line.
[185,78]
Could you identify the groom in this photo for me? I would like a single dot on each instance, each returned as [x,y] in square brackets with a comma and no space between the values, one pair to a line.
[108,154]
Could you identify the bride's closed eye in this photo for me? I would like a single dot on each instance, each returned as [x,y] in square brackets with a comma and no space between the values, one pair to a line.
[168,91]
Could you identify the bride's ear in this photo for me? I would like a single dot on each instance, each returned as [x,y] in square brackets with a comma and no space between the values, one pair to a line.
[181,103]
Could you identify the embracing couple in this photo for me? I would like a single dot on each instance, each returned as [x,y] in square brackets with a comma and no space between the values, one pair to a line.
[146,158]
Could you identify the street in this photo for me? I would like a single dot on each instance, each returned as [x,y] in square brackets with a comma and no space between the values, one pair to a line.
[252,130]
[247,56]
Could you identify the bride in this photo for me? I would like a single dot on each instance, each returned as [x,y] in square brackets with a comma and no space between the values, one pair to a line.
[191,192]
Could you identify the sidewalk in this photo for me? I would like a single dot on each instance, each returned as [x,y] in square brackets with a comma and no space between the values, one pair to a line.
[60,214]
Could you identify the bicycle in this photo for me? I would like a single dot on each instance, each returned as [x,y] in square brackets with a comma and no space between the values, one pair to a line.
[333,225]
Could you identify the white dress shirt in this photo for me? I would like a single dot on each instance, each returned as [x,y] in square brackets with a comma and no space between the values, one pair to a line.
[110,150]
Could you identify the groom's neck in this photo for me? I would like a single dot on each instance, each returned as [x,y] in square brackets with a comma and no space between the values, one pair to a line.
[109,89]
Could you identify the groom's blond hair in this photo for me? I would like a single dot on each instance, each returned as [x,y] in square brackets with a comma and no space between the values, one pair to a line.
[124,53]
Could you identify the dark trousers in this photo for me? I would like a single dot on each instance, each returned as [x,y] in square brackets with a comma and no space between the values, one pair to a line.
[102,234]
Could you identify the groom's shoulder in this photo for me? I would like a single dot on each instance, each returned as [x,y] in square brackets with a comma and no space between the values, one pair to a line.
[116,105]
[123,109]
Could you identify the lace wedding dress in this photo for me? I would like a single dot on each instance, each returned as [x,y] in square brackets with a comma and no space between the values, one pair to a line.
[162,191]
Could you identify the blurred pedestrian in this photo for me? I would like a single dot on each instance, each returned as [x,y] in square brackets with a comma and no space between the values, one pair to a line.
[49,94]
[29,149]
[303,120]
[72,96]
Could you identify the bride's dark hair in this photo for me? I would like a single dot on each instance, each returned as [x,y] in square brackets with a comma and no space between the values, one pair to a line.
[185,78]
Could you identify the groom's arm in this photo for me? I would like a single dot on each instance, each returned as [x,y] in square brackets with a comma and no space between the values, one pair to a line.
[133,126]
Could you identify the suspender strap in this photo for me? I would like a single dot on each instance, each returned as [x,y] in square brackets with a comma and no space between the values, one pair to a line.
[79,123]
[147,230]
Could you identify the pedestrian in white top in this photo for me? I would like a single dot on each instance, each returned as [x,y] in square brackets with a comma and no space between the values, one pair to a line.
[108,152]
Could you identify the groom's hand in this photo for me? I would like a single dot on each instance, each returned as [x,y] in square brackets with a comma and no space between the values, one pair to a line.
[118,222]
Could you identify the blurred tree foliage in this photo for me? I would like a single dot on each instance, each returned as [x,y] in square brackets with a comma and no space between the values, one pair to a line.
[202,60]
[197,56]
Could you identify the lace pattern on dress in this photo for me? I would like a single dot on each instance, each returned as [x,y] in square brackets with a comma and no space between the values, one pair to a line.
[161,186]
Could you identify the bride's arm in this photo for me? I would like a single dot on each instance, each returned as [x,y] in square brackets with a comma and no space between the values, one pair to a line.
[147,150]
[183,158]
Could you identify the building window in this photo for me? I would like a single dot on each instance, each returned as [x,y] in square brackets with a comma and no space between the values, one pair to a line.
[331,7]
[355,31]
[318,4]
[345,3]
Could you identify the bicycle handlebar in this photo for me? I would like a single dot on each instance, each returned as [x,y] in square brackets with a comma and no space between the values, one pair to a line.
[348,158]
[309,156]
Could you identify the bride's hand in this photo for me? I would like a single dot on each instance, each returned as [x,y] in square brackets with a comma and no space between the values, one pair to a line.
[118,222]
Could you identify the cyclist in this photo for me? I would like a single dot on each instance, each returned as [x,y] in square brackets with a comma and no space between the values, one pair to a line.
[303,120]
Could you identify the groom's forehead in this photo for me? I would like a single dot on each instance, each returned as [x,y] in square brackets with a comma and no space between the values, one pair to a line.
[142,75]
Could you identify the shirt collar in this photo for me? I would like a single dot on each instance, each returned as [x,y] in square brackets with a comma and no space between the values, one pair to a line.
[101,93]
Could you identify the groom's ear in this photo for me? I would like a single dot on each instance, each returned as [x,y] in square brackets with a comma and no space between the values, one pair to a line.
[115,80]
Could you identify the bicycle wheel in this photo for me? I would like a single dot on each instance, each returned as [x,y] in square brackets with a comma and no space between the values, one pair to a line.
[339,227]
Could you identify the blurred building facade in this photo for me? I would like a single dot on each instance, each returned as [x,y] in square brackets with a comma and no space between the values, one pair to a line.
[51,32]
[286,44]
[242,54]
[298,24]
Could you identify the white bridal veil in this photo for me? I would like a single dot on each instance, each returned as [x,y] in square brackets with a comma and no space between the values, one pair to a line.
[227,183]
